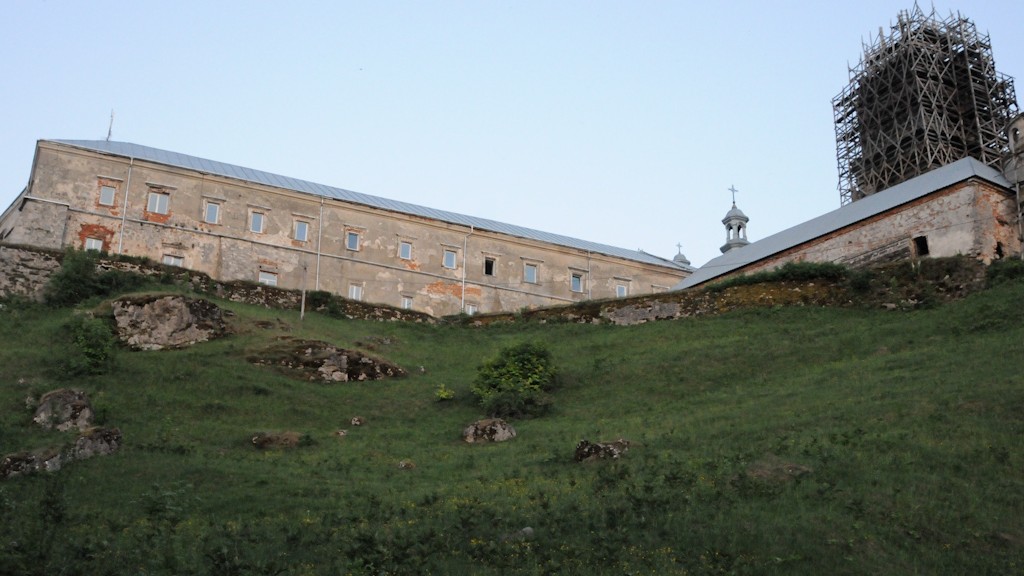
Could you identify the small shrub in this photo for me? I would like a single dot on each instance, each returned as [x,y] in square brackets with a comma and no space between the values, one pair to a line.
[92,346]
[76,280]
[515,383]
[444,393]
[317,299]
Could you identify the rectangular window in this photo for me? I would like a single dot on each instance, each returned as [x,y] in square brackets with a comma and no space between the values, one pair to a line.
[301,230]
[107,195]
[158,203]
[355,292]
[621,290]
[576,282]
[212,213]
[256,222]
[406,302]
[94,244]
[268,278]
[488,266]
[405,250]
[352,240]
[530,273]
[921,245]
[172,260]
[471,309]
[449,259]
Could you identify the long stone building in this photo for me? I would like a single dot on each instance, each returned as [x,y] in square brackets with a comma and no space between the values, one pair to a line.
[236,223]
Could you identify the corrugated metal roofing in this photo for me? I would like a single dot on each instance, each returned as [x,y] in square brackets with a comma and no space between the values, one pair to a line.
[850,214]
[129,150]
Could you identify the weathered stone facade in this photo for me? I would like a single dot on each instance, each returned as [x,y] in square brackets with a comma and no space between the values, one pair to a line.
[237,229]
[24,272]
[962,209]
[970,219]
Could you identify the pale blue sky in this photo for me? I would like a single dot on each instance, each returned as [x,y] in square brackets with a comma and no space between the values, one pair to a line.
[618,122]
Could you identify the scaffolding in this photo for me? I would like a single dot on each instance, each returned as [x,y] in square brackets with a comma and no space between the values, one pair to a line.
[923,96]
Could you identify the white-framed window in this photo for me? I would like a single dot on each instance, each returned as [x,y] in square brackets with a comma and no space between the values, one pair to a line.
[352,240]
[576,282]
[406,302]
[211,213]
[172,260]
[355,291]
[450,258]
[621,290]
[257,221]
[530,273]
[488,266]
[301,230]
[471,309]
[158,203]
[268,278]
[107,194]
[94,244]
[405,250]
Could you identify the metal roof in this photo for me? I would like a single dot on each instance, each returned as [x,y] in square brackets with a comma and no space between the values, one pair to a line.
[139,152]
[849,214]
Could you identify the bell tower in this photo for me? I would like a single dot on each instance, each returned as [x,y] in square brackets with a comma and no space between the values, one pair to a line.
[735,226]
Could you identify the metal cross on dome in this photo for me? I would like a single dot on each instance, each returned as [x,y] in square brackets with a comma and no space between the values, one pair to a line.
[734,191]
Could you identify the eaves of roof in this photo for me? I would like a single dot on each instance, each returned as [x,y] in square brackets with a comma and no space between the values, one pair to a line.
[178,160]
[847,215]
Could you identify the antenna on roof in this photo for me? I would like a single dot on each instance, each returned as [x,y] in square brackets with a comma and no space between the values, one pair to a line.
[110,128]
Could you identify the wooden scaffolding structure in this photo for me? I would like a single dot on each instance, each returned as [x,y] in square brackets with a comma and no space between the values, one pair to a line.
[923,96]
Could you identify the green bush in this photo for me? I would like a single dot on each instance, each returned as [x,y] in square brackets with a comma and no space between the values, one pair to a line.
[92,346]
[317,299]
[78,280]
[790,271]
[1005,270]
[516,382]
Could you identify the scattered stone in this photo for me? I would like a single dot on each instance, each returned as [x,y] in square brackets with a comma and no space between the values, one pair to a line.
[358,421]
[406,464]
[489,430]
[92,442]
[587,451]
[341,433]
[314,360]
[64,409]
[158,322]
[270,440]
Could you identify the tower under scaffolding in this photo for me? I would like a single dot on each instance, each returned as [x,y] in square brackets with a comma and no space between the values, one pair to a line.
[923,96]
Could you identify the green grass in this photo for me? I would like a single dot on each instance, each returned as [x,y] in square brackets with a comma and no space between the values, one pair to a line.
[904,428]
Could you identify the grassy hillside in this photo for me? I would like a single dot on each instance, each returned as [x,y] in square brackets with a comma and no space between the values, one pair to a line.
[785,440]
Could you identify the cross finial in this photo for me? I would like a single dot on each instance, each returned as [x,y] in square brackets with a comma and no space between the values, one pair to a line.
[679,245]
[734,191]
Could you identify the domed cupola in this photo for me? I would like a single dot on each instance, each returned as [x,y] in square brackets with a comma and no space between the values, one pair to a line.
[735,226]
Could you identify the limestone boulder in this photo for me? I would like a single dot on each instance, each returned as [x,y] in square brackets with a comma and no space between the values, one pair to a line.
[91,442]
[64,409]
[489,430]
[158,322]
[96,442]
[587,451]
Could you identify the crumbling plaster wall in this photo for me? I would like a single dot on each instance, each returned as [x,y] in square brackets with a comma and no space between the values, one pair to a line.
[972,218]
[229,250]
